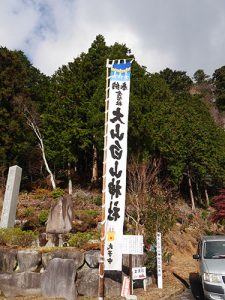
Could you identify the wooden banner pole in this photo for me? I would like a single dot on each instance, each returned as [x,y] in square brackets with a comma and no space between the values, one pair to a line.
[130,274]
[101,263]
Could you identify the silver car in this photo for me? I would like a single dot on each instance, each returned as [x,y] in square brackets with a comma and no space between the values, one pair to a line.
[211,256]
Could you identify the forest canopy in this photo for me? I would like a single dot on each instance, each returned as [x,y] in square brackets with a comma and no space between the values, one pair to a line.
[170,120]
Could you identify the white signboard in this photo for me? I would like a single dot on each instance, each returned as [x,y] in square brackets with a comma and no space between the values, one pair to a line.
[132,244]
[116,154]
[159,259]
[139,273]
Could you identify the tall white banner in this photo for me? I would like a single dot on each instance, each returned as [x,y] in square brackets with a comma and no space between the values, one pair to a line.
[116,162]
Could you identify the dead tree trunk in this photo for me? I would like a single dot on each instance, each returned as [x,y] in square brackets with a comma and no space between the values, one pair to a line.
[36,130]
[94,177]
[191,191]
[31,116]
[206,197]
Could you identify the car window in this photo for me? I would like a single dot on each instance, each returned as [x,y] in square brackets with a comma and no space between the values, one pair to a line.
[214,249]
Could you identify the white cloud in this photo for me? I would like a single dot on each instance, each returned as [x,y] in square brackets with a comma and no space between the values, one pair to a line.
[17,20]
[180,34]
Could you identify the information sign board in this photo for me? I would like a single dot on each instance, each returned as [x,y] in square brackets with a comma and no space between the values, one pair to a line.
[139,273]
[132,244]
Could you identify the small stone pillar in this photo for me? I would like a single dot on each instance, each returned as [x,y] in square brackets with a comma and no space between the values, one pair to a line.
[11,197]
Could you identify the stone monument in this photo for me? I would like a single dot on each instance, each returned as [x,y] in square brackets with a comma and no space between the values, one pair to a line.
[11,197]
[59,221]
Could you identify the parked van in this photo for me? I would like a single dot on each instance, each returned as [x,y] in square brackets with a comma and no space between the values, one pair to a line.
[211,257]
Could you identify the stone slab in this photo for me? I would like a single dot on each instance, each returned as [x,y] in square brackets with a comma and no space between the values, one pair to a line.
[11,197]
[58,281]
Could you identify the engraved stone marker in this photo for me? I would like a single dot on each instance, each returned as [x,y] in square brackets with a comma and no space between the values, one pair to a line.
[59,221]
[11,196]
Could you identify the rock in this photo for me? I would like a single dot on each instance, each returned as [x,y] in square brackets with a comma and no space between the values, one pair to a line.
[113,283]
[92,258]
[8,261]
[78,257]
[28,260]
[20,284]
[87,282]
[58,280]
[131,297]
[61,216]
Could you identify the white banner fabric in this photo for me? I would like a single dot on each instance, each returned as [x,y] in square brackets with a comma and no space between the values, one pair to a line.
[116,162]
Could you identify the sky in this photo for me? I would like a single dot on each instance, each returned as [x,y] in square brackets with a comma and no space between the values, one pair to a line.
[184,35]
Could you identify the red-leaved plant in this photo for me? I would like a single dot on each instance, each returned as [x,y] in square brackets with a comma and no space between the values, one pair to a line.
[218,203]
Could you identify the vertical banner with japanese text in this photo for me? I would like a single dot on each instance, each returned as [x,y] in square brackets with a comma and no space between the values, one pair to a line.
[116,162]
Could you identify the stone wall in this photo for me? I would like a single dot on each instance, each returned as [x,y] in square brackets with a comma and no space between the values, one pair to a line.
[59,274]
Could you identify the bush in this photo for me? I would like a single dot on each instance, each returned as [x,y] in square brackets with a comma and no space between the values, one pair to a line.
[29,212]
[81,238]
[43,217]
[17,237]
[56,193]
[218,203]
[190,217]
[205,214]
[160,217]
[87,216]
[151,261]
[87,213]
[98,200]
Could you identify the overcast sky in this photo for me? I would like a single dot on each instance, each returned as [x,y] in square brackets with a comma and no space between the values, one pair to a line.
[180,34]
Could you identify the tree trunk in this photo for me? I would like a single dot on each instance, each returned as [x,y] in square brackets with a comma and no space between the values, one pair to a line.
[70,185]
[31,117]
[199,196]
[191,192]
[41,145]
[47,167]
[206,197]
[94,177]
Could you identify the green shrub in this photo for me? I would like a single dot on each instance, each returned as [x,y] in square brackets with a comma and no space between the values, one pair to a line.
[56,193]
[190,217]
[88,213]
[151,261]
[87,216]
[16,237]
[98,200]
[81,238]
[167,255]
[29,212]
[43,217]
[205,214]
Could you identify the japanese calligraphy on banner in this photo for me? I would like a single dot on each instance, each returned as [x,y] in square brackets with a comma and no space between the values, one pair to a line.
[116,154]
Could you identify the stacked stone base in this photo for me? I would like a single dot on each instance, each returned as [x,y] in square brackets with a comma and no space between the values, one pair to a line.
[59,274]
